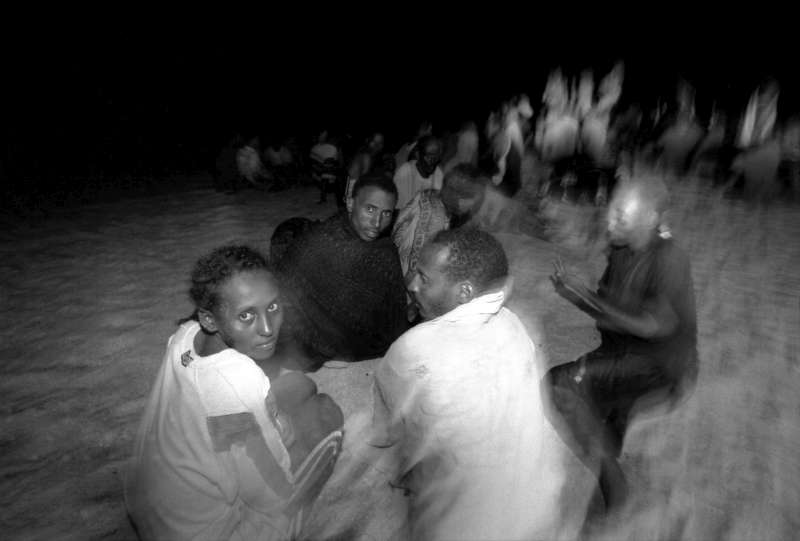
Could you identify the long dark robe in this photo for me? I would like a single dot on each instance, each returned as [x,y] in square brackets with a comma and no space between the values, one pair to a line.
[347,298]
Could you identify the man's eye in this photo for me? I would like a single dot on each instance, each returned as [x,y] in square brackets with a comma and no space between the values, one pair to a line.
[273,307]
[246,316]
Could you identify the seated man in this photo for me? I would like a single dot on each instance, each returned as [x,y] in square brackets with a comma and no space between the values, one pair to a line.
[432,211]
[344,282]
[420,174]
[457,401]
[645,312]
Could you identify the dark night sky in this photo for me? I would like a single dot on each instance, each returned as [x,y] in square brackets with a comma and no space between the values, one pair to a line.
[122,88]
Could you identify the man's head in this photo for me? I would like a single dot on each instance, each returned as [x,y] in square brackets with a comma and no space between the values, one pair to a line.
[635,211]
[430,154]
[372,206]
[456,266]
[375,143]
[463,189]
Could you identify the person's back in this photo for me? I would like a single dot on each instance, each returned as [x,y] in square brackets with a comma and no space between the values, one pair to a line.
[170,498]
[478,445]
[229,446]
[457,402]
[322,152]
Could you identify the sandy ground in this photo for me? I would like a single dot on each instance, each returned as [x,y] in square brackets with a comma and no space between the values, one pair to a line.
[90,295]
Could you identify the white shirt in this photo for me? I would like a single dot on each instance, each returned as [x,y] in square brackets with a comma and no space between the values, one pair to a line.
[209,461]
[410,182]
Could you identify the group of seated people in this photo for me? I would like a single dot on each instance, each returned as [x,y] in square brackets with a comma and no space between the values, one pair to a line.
[236,442]
[248,162]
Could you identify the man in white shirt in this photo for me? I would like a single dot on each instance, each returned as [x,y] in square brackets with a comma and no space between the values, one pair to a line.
[457,399]
[423,173]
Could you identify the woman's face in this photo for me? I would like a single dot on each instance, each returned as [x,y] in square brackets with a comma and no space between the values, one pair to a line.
[249,314]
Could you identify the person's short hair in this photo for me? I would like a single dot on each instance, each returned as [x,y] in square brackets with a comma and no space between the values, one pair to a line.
[473,255]
[381,182]
[214,269]
[426,140]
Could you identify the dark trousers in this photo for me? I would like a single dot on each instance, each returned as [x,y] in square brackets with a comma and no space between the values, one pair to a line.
[589,404]
[594,407]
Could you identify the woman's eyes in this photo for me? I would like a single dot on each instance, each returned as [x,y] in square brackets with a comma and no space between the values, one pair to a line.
[250,316]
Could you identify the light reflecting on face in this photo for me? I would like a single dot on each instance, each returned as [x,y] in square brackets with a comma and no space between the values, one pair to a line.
[249,314]
[431,289]
[371,212]
[628,217]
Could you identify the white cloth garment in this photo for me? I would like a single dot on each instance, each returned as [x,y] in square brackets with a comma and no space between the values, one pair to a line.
[410,182]
[457,399]
[209,461]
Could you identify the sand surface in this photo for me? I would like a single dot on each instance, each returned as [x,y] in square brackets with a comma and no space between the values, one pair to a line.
[89,296]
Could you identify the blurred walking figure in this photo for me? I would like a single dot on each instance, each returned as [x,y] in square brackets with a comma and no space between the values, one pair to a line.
[757,164]
[466,148]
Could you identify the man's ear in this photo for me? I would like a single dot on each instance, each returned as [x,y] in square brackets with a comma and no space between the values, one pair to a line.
[207,321]
[466,292]
[349,205]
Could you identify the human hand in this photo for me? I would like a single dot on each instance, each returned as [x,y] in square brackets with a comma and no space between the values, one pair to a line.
[568,285]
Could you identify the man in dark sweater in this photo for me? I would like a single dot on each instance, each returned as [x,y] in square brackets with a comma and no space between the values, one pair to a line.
[645,311]
[347,297]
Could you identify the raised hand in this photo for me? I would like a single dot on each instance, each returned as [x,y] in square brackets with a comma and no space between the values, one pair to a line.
[570,286]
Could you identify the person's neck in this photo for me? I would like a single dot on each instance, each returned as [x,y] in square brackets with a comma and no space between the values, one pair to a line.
[206,344]
[643,244]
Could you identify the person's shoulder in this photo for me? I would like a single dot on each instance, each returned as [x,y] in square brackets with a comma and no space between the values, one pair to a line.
[237,369]
[405,169]
[413,345]
[183,336]
[668,250]
[384,249]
